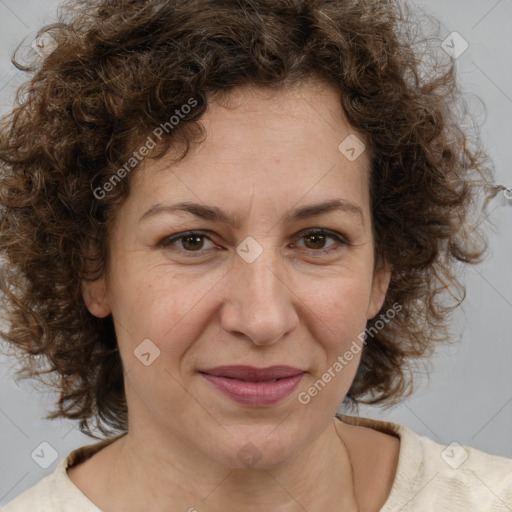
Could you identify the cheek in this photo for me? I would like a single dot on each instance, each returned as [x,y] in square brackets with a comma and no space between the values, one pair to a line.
[164,306]
[340,304]
[338,313]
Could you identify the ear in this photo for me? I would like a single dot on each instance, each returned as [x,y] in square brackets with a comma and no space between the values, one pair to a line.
[380,284]
[95,297]
[94,292]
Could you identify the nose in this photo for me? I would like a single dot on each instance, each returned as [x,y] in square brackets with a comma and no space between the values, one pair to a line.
[259,300]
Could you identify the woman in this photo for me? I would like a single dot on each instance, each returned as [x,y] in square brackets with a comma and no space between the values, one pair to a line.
[221,220]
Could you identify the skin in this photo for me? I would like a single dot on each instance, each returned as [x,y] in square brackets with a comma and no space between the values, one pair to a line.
[295,304]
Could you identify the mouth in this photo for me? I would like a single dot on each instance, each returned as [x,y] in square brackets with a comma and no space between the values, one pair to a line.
[254,387]
[253,374]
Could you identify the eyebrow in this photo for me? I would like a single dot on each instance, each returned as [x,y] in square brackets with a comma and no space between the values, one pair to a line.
[213,213]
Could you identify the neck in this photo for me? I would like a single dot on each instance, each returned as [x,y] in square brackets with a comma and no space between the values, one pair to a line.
[170,473]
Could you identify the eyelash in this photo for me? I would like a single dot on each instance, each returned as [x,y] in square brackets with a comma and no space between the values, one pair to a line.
[168,241]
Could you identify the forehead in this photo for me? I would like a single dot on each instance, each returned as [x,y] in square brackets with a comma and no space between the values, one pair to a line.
[276,146]
[304,118]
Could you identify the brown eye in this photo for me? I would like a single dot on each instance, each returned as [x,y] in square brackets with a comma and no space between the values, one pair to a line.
[191,242]
[316,240]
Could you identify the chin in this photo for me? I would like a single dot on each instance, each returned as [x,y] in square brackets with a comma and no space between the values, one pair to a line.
[262,447]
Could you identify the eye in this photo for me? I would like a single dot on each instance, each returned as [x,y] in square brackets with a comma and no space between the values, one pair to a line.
[191,242]
[316,238]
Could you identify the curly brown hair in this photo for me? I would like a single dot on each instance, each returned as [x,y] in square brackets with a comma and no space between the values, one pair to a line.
[120,68]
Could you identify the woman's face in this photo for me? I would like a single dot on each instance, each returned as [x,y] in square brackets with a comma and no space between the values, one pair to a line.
[254,286]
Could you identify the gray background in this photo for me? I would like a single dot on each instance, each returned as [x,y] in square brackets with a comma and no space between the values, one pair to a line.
[468,397]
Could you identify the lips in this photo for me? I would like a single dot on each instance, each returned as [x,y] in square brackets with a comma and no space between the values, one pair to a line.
[252,374]
[254,387]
